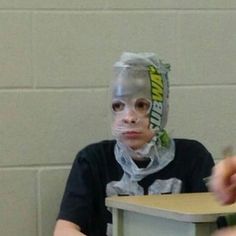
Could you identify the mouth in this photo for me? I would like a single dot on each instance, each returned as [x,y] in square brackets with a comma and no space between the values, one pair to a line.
[132,134]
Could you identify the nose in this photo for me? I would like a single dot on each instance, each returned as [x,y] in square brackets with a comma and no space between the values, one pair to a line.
[130,117]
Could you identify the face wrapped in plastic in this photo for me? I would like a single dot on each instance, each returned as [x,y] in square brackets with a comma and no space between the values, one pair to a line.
[139,98]
[131,105]
[141,106]
[131,91]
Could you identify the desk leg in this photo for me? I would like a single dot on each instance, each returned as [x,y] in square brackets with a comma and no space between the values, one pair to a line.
[117,222]
[204,229]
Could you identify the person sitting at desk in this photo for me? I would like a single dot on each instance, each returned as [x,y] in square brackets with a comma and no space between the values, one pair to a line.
[143,159]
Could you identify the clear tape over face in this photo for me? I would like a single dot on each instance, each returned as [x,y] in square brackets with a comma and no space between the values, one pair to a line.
[141,106]
[134,111]
[141,86]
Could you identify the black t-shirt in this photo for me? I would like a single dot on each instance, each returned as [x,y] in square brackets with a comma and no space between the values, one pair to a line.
[95,166]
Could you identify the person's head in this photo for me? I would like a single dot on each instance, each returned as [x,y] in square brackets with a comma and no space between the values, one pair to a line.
[139,98]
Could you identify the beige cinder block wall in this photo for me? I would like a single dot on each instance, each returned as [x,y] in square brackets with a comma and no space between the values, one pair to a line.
[55,66]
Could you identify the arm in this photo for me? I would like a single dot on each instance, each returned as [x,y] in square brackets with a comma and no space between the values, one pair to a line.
[223,181]
[67,228]
[74,210]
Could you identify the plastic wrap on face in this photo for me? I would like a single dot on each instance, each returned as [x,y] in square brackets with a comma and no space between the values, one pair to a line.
[130,83]
[140,77]
[140,106]
[131,100]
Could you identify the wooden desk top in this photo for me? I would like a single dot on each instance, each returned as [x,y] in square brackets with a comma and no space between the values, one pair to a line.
[189,207]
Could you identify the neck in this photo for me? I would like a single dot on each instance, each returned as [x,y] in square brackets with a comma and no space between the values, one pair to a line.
[137,158]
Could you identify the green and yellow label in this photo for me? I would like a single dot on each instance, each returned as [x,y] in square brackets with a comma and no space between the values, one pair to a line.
[157,96]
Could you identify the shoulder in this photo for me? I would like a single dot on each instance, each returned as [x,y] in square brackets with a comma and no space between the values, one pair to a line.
[193,154]
[189,144]
[100,149]
[193,148]
[102,145]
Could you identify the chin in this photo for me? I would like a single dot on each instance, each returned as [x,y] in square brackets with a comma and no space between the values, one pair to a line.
[133,145]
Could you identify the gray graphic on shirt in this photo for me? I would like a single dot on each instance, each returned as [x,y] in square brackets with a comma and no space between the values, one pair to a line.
[159,186]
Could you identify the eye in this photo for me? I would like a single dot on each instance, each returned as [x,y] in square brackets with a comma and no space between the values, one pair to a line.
[118,106]
[142,106]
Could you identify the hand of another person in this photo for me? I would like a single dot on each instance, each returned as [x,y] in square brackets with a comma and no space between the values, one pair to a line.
[223,181]
[230,231]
